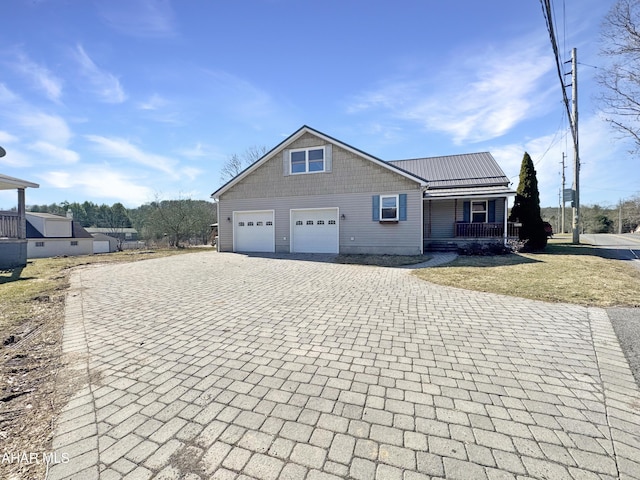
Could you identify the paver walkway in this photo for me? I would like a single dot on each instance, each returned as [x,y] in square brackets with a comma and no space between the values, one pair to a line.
[225,366]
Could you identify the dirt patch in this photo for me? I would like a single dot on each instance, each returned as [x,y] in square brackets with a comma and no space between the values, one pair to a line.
[30,361]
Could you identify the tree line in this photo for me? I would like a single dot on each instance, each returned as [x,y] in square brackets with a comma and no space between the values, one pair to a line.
[621,218]
[175,222]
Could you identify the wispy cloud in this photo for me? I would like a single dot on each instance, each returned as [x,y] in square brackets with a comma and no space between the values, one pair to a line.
[99,181]
[601,160]
[50,128]
[54,152]
[104,84]
[38,75]
[477,96]
[154,102]
[121,148]
[139,18]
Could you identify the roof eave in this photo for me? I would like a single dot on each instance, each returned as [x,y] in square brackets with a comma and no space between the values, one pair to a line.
[297,134]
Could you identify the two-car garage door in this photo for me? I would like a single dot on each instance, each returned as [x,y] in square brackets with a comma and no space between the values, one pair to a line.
[312,231]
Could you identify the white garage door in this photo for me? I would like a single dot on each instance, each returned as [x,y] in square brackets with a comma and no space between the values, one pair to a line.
[100,246]
[253,231]
[314,230]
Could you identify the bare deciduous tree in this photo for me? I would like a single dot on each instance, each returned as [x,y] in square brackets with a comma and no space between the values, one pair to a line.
[237,163]
[620,99]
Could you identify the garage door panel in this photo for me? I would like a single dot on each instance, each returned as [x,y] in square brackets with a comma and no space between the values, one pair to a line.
[315,230]
[254,231]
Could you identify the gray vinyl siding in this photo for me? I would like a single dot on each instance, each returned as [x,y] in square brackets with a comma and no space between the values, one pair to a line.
[440,218]
[368,236]
[350,173]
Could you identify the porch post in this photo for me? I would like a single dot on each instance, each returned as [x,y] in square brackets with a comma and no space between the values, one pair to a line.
[506,224]
[22,219]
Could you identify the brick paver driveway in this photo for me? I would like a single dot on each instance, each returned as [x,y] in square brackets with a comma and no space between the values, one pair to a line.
[226,366]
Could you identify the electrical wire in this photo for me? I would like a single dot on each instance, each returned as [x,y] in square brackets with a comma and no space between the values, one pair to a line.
[547,13]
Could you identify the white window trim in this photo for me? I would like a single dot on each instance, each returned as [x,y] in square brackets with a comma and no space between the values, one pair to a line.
[306,160]
[486,210]
[397,218]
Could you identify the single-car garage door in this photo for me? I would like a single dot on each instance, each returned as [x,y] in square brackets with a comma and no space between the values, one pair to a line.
[314,230]
[253,231]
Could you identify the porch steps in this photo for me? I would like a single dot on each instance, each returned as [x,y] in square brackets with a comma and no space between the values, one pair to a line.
[442,247]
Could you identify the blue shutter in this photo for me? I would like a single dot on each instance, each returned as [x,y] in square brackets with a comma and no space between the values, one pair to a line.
[376,208]
[492,211]
[403,206]
[466,212]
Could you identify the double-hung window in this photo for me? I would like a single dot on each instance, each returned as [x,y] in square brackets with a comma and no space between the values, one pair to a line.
[389,207]
[479,211]
[308,160]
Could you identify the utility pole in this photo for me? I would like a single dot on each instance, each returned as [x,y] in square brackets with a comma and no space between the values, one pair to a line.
[576,151]
[562,203]
[620,216]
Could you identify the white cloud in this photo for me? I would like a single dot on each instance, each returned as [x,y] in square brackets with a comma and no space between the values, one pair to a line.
[106,85]
[100,182]
[604,165]
[139,18]
[478,96]
[41,77]
[54,153]
[6,137]
[49,128]
[121,148]
[155,102]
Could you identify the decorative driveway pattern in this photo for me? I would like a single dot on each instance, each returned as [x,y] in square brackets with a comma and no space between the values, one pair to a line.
[225,366]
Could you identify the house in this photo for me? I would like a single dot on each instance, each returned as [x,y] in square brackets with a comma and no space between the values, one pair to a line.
[51,235]
[13,226]
[121,233]
[313,193]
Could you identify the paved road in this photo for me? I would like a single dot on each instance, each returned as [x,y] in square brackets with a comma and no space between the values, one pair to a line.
[625,246]
[218,365]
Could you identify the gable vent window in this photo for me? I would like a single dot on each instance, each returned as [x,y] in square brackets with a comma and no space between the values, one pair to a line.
[309,160]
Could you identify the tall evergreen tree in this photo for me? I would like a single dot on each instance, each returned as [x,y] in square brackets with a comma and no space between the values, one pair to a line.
[526,208]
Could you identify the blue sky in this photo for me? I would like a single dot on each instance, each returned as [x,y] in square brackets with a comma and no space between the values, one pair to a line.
[132,100]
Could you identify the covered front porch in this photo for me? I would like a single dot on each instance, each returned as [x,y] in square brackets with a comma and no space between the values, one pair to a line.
[13,225]
[452,223]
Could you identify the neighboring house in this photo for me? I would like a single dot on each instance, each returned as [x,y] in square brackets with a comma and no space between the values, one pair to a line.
[313,193]
[123,234]
[104,243]
[13,226]
[51,235]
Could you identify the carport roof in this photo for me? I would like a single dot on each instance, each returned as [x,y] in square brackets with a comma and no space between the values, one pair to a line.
[11,183]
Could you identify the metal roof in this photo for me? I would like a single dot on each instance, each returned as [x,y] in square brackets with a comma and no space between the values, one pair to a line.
[466,170]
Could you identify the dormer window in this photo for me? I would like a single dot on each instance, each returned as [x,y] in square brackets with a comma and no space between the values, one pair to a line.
[308,160]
